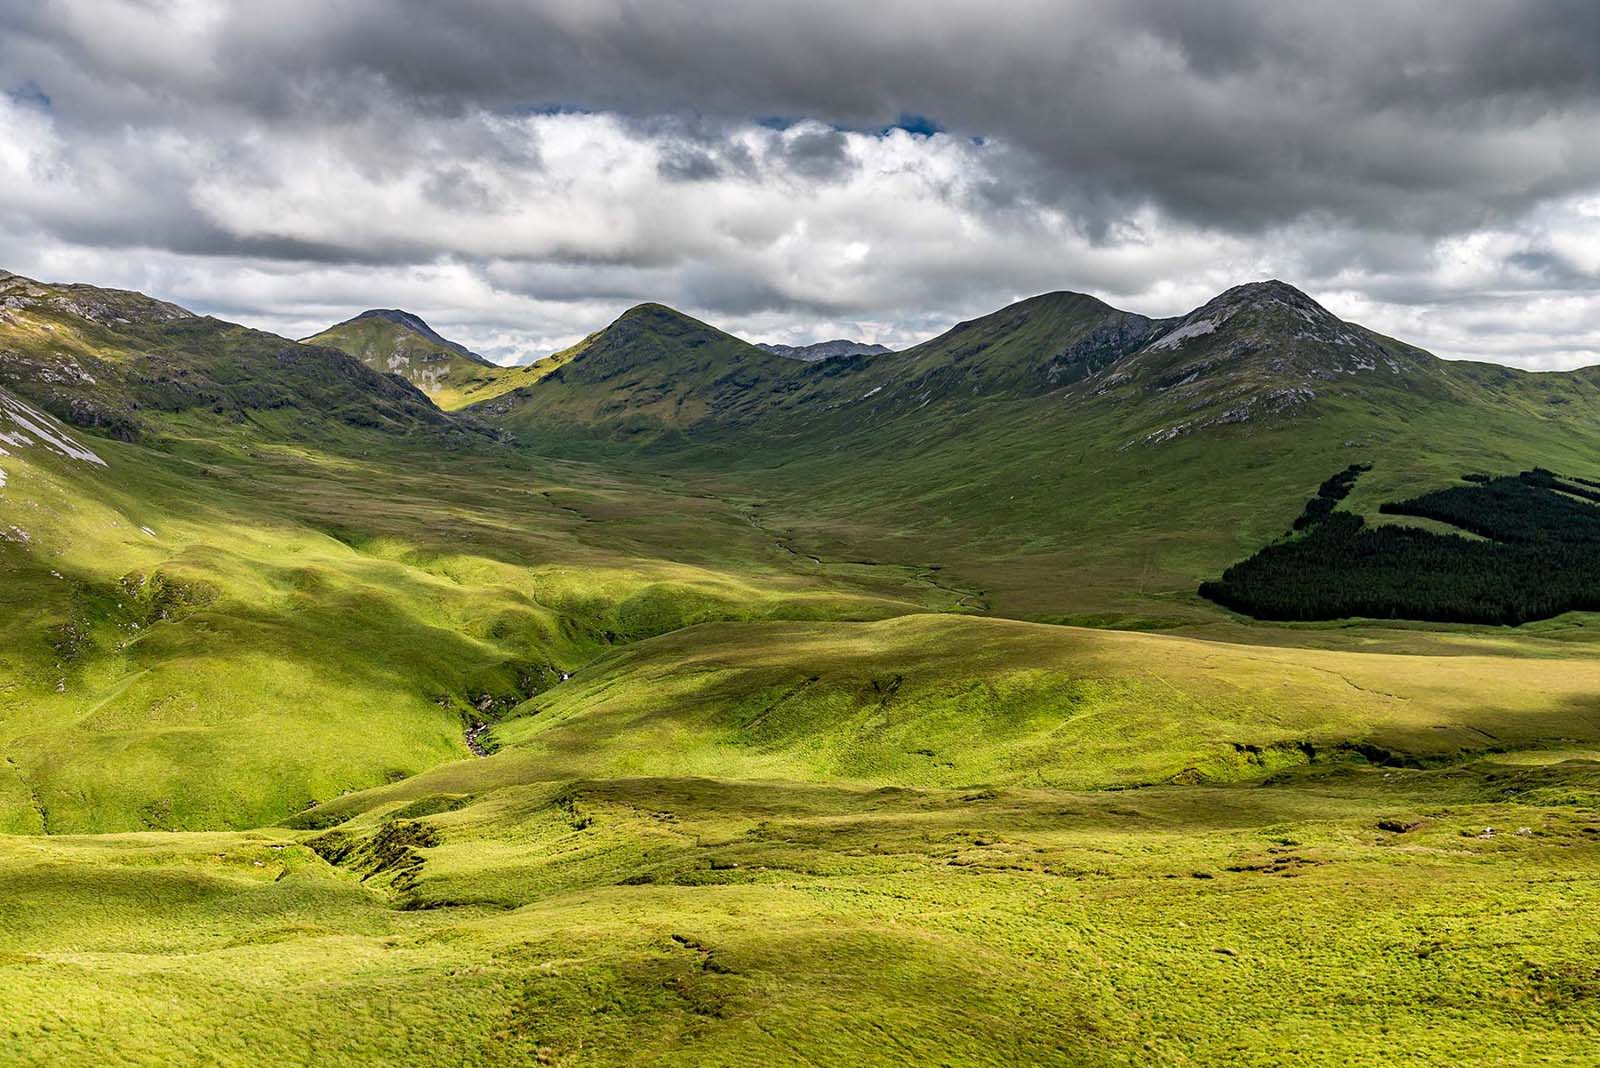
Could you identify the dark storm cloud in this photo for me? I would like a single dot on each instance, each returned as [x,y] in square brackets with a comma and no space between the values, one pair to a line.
[1235,112]
[816,152]
[1373,147]
[455,187]
[687,163]
[1553,268]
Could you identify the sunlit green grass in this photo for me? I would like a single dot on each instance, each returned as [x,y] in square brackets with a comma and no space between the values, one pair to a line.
[700,921]
[330,621]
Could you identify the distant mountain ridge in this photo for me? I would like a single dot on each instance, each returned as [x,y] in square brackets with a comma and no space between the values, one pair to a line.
[1028,349]
[1259,352]
[824,350]
[1059,367]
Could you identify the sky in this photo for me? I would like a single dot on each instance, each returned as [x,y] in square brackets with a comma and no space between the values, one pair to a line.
[519,172]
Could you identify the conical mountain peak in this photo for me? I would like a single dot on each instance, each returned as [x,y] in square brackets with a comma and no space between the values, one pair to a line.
[378,326]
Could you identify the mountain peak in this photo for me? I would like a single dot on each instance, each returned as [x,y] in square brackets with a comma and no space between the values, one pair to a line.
[1061,298]
[415,324]
[1268,289]
[1269,293]
[395,341]
[659,314]
[397,315]
[656,362]
[1256,350]
[664,321]
[1271,301]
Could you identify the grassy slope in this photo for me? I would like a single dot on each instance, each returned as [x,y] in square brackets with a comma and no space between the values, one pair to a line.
[746,840]
[335,642]
[1101,532]
[294,587]
[936,701]
[507,380]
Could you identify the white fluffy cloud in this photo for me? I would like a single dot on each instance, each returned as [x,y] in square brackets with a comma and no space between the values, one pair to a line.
[519,174]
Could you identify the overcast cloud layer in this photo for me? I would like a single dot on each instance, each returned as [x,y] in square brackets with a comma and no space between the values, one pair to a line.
[520,172]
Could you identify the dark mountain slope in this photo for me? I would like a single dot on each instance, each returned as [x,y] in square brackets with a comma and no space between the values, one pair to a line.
[120,362]
[1258,350]
[653,369]
[1266,351]
[656,366]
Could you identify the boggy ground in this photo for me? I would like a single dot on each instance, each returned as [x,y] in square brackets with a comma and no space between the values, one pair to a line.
[1345,914]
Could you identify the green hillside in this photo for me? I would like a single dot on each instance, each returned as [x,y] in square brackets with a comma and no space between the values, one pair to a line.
[1071,461]
[681,703]
[586,896]
[396,342]
[127,366]
[177,632]
[949,702]
[650,376]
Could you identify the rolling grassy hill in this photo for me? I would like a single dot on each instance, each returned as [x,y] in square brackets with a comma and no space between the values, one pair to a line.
[721,712]
[183,650]
[559,902]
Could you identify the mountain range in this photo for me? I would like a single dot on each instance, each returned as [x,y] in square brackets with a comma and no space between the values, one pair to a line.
[1064,434]
[1261,351]
[1259,354]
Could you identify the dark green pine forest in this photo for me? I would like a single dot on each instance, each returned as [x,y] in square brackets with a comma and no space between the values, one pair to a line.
[1534,553]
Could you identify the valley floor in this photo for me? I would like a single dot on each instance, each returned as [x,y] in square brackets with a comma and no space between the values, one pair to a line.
[751,798]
